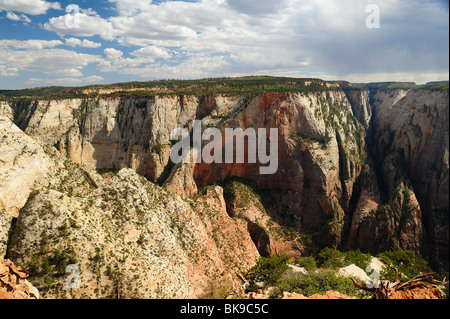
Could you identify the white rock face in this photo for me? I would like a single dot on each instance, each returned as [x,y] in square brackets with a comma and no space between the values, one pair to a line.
[377,263]
[5,225]
[131,239]
[295,270]
[353,271]
[23,166]
[6,110]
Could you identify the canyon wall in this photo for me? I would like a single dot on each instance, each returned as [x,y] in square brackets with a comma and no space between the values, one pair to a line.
[356,169]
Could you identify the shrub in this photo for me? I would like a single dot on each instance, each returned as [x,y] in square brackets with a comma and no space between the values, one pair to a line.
[333,259]
[317,282]
[268,270]
[217,291]
[408,264]
[358,258]
[45,266]
[309,263]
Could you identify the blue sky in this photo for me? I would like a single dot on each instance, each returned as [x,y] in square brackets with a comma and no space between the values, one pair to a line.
[106,41]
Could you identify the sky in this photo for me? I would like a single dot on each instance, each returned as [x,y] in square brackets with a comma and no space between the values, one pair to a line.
[79,42]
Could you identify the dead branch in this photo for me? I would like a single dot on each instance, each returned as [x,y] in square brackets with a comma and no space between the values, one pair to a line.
[385,288]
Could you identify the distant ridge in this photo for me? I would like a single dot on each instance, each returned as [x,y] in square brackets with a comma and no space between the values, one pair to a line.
[249,85]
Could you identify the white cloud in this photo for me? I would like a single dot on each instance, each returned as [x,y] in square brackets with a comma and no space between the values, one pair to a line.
[29,44]
[113,54]
[130,7]
[418,78]
[74,42]
[8,71]
[257,6]
[115,62]
[33,7]
[209,37]
[12,16]
[152,52]
[196,66]
[40,56]
[89,24]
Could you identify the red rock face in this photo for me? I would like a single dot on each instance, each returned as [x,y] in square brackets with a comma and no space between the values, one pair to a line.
[309,189]
[13,283]
[419,291]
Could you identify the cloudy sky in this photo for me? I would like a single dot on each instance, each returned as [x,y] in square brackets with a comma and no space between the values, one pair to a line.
[80,42]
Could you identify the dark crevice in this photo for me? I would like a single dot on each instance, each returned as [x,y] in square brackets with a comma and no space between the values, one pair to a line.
[260,238]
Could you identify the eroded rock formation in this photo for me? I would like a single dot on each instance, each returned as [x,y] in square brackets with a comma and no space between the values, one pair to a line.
[356,169]
[13,282]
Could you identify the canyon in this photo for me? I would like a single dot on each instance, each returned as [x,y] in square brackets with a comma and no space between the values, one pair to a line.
[89,181]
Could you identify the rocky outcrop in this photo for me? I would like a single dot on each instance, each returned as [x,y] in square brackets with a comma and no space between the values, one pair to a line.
[181,180]
[266,216]
[24,165]
[320,144]
[361,107]
[319,156]
[394,225]
[13,282]
[419,291]
[331,294]
[409,141]
[6,110]
[130,239]
[135,239]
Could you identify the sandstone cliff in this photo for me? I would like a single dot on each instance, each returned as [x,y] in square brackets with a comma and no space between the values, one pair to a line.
[410,141]
[357,169]
[128,237]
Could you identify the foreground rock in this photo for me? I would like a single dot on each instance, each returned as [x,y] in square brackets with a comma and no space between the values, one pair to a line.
[13,283]
[419,291]
[23,165]
[130,239]
[292,295]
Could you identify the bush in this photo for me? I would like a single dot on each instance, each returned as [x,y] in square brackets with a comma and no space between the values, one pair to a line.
[217,291]
[409,265]
[309,263]
[268,270]
[332,259]
[358,258]
[317,282]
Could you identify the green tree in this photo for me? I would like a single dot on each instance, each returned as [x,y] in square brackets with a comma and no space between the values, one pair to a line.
[408,264]
[331,258]
[268,269]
